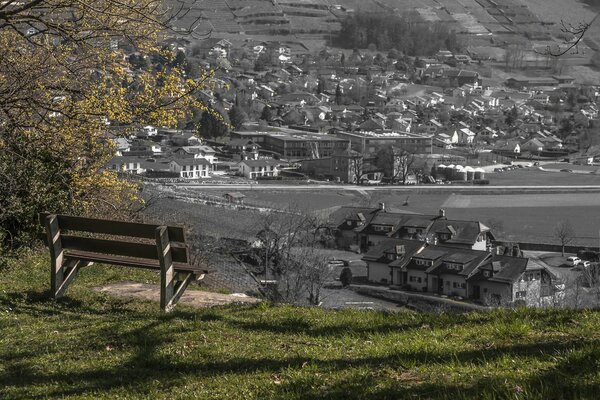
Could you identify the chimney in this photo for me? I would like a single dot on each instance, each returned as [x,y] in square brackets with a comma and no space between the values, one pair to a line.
[382,206]
[442,213]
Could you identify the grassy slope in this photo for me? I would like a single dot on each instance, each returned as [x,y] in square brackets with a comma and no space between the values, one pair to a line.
[92,346]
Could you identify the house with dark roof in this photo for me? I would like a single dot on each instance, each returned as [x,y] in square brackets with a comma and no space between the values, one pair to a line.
[464,234]
[449,276]
[506,280]
[412,273]
[388,251]
[345,221]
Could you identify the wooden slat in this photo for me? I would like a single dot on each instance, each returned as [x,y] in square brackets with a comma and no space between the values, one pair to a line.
[143,263]
[120,248]
[111,227]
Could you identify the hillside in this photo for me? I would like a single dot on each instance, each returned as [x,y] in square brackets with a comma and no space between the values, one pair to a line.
[92,346]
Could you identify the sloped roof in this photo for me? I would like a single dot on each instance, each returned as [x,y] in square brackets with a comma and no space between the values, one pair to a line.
[506,269]
[465,232]
[470,259]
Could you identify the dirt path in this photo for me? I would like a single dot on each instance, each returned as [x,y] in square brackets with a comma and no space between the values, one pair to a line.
[194,298]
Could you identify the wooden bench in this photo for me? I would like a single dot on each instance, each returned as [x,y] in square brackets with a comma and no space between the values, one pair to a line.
[167,252]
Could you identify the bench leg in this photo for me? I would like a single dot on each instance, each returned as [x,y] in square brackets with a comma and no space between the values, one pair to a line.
[57,271]
[180,287]
[167,271]
[69,272]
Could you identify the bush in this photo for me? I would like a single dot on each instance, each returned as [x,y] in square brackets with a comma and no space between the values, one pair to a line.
[346,276]
[481,182]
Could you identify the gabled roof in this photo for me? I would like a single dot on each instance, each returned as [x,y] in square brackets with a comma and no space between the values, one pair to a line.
[463,232]
[505,269]
[388,246]
[469,259]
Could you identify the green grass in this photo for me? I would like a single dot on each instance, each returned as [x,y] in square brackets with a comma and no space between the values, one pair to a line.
[91,346]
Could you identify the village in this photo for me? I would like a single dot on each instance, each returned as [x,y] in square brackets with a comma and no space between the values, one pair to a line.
[364,119]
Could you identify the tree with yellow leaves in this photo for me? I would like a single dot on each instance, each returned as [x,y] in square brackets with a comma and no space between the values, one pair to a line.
[65,84]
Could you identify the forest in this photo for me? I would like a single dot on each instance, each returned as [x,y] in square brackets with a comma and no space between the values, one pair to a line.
[409,34]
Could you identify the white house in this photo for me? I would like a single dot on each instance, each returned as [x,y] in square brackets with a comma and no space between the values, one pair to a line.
[465,135]
[253,169]
[191,168]
[129,164]
[150,130]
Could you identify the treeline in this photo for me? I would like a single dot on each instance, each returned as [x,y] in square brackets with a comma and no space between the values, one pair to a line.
[409,34]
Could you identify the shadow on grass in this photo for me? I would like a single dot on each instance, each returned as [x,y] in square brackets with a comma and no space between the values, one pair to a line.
[149,364]
[146,334]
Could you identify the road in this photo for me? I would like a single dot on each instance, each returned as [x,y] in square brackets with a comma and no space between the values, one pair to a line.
[408,188]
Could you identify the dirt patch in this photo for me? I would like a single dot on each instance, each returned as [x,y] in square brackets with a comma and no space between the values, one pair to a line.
[194,298]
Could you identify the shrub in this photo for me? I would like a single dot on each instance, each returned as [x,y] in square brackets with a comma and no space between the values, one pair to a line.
[346,276]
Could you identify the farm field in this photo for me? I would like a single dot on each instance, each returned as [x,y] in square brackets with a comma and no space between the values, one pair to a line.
[536,177]
[524,217]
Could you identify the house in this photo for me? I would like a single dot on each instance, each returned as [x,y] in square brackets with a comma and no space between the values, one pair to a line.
[465,135]
[346,220]
[449,275]
[342,166]
[129,164]
[533,146]
[185,138]
[379,257]
[505,280]
[508,147]
[253,169]
[412,273]
[141,147]
[464,234]
[191,168]
[241,145]
[198,151]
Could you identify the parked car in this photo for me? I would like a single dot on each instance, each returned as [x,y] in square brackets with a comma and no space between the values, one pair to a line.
[581,266]
[573,261]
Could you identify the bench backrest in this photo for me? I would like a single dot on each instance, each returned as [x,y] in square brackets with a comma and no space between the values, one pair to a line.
[119,247]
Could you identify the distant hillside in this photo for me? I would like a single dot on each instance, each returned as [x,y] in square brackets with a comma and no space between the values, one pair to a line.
[481,23]
[92,346]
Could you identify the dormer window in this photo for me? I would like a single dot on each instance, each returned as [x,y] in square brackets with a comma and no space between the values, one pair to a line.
[427,263]
[454,266]
[444,236]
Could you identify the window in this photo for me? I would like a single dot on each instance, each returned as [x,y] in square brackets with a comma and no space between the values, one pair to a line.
[487,274]
[419,279]
[454,266]
[520,295]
